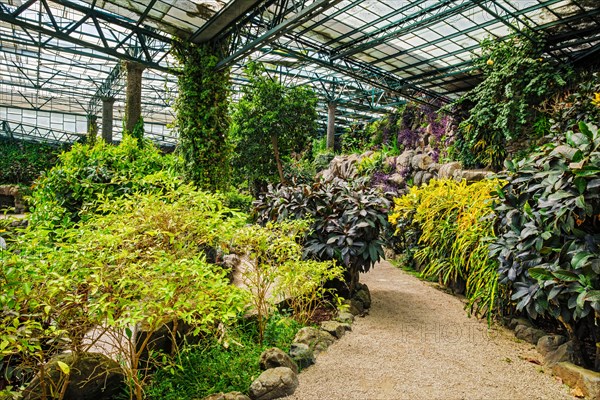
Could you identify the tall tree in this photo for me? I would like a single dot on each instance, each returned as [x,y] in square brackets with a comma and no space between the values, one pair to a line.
[269,124]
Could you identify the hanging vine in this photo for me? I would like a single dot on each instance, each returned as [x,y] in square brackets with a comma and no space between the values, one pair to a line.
[202,118]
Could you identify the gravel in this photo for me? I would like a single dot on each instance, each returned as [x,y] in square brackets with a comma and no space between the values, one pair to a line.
[419,343]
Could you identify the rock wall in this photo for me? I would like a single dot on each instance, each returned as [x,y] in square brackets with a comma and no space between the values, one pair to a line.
[11,196]
[414,166]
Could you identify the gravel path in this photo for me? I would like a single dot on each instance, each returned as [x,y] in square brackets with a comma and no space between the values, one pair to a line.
[418,343]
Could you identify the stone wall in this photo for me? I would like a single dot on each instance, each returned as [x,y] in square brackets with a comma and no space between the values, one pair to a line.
[11,197]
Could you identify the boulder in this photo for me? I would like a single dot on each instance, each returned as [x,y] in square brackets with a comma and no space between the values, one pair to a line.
[418,178]
[274,383]
[316,339]
[345,317]
[514,322]
[397,178]
[421,161]
[447,170]
[579,378]
[355,307]
[364,296]
[390,162]
[529,334]
[549,343]
[566,352]
[274,357]
[427,176]
[227,396]
[93,376]
[472,175]
[404,160]
[231,261]
[434,168]
[302,355]
[335,328]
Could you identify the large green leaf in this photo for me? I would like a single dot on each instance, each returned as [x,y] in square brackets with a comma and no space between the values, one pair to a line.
[566,276]
[540,273]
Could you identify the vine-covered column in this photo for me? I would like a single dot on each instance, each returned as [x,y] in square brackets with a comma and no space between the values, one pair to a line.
[202,118]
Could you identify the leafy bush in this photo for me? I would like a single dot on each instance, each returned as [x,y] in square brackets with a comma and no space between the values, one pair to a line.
[348,219]
[276,271]
[23,162]
[548,235]
[53,294]
[502,107]
[86,175]
[449,224]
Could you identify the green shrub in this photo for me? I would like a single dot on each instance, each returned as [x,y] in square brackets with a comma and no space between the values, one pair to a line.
[238,200]
[23,162]
[581,103]
[278,273]
[348,220]
[87,175]
[139,261]
[548,239]
[447,225]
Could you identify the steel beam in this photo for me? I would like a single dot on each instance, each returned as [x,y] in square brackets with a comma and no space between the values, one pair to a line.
[277,25]
[136,36]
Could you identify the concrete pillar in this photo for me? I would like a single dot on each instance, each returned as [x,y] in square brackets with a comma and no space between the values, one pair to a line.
[330,125]
[107,118]
[133,96]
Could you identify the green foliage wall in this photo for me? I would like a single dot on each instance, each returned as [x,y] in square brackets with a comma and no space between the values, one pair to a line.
[269,124]
[202,118]
[502,108]
[23,162]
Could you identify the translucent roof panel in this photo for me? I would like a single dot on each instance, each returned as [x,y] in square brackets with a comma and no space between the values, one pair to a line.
[59,58]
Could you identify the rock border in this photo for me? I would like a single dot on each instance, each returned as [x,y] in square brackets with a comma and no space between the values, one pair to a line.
[560,357]
[280,370]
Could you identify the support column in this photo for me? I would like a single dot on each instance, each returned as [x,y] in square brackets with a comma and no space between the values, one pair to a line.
[133,97]
[107,118]
[331,125]
[92,128]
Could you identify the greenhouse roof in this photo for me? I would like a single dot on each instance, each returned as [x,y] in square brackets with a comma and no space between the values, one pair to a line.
[59,58]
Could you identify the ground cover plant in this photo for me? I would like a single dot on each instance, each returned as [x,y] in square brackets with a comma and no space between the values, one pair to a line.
[446,226]
[549,236]
[222,364]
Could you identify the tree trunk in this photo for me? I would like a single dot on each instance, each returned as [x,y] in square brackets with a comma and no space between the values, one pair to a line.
[277,160]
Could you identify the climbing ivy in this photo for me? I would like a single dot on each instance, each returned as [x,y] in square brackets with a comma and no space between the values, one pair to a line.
[502,108]
[202,115]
